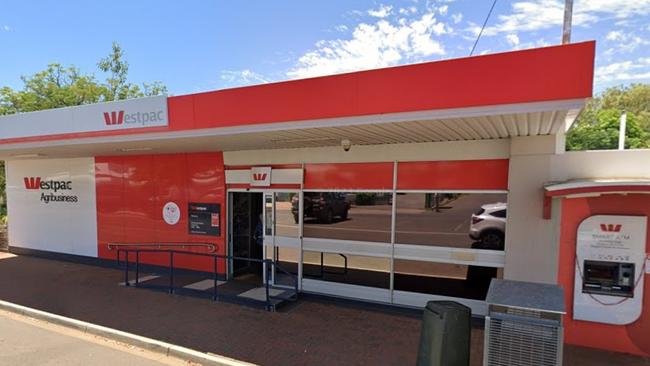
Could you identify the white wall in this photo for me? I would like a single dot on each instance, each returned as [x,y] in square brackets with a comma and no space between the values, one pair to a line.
[450,150]
[601,164]
[532,243]
[63,227]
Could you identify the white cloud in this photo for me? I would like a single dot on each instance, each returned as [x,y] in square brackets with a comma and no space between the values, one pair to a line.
[407,11]
[443,10]
[242,77]
[624,71]
[624,42]
[6,28]
[457,18]
[615,36]
[532,15]
[382,12]
[341,28]
[513,39]
[384,43]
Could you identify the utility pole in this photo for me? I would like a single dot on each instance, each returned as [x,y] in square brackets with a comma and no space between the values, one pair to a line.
[566,27]
[621,131]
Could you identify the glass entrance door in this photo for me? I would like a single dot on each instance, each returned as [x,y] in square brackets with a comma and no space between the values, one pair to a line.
[282,219]
[245,232]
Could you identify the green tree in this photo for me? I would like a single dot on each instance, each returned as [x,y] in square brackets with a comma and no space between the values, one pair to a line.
[117,84]
[54,87]
[604,131]
[598,125]
[59,86]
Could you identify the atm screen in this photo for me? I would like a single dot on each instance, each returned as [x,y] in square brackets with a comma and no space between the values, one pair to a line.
[608,278]
[602,272]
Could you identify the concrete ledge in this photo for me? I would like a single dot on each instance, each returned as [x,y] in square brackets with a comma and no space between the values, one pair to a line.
[149,344]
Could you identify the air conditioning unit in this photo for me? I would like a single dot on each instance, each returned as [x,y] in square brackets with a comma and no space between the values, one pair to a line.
[524,324]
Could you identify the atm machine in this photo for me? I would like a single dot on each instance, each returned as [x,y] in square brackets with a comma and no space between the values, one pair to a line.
[610,266]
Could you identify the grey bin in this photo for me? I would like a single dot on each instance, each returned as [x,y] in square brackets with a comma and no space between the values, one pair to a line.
[445,336]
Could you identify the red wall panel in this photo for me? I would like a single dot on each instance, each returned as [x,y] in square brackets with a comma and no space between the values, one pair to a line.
[349,176]
[109,190]
[453,175]
[632,338]
[535,75]
[131,193]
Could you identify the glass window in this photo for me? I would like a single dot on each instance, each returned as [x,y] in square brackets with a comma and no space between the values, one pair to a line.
[458,220]
[286,214]
[268,215]
[287,264]
[445,279]
[345,268]
[361,216]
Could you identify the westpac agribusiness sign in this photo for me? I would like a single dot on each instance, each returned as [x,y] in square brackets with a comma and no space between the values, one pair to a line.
[118,115]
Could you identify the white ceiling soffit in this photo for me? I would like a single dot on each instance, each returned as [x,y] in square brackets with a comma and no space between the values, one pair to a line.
[477,123]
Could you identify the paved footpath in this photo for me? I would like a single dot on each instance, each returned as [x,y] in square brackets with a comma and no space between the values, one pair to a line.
[26,341]
[315,332]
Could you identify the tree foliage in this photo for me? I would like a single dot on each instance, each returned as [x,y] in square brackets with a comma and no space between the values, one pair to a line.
[60,86]
[117,85]
[597,127]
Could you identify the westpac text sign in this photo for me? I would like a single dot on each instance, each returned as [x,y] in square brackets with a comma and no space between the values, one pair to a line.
[118,115]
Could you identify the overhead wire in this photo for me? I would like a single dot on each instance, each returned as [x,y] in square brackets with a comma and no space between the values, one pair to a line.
[483,27]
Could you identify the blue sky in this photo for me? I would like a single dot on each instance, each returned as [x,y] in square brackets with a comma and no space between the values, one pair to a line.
[194,46]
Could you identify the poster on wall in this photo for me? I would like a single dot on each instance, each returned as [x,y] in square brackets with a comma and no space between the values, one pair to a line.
[204,218]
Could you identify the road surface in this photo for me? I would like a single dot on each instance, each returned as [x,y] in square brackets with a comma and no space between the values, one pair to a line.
[25,341]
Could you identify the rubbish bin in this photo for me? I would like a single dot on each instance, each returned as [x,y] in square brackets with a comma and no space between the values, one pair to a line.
[445,336]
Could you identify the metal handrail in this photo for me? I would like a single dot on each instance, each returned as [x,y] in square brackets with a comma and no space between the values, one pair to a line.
[322,265]
[215,257]
[211,247]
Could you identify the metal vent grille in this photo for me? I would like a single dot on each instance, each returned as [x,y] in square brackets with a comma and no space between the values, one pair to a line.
[522,338]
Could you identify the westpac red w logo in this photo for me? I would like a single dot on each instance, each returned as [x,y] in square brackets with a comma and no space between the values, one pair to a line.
[259,176]
[114,118]
[32,182]
[614,228]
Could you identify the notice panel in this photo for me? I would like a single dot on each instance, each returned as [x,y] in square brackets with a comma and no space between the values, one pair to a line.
[204,218]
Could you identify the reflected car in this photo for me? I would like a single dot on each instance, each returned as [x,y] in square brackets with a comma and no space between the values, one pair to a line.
[488,226]
[323,206]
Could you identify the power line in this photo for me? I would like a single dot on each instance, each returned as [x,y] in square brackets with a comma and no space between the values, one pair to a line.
[482,28]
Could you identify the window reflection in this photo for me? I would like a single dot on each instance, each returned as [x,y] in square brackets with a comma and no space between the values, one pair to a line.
[446,279]
[287,263]
[361,216]
[285,222]
[458,220]
[346,268]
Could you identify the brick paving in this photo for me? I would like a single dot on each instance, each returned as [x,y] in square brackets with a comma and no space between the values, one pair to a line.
[315,331]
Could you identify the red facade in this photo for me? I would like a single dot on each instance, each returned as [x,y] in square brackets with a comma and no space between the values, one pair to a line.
[632,338]
[553,73]
[131,193]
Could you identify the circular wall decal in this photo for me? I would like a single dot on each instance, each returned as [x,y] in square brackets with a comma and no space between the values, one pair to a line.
[171,213]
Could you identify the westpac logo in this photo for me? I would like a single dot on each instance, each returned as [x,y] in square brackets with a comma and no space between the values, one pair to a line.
[113,118]
[259,176]
[611,228]
[32,182]
[49,188]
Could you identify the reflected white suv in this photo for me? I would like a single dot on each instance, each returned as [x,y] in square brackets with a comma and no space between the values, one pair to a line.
[488,226]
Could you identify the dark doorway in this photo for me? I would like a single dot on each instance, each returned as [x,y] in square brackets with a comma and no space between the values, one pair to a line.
[247,232]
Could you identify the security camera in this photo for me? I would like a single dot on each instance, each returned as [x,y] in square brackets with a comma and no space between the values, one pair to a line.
[346,144]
